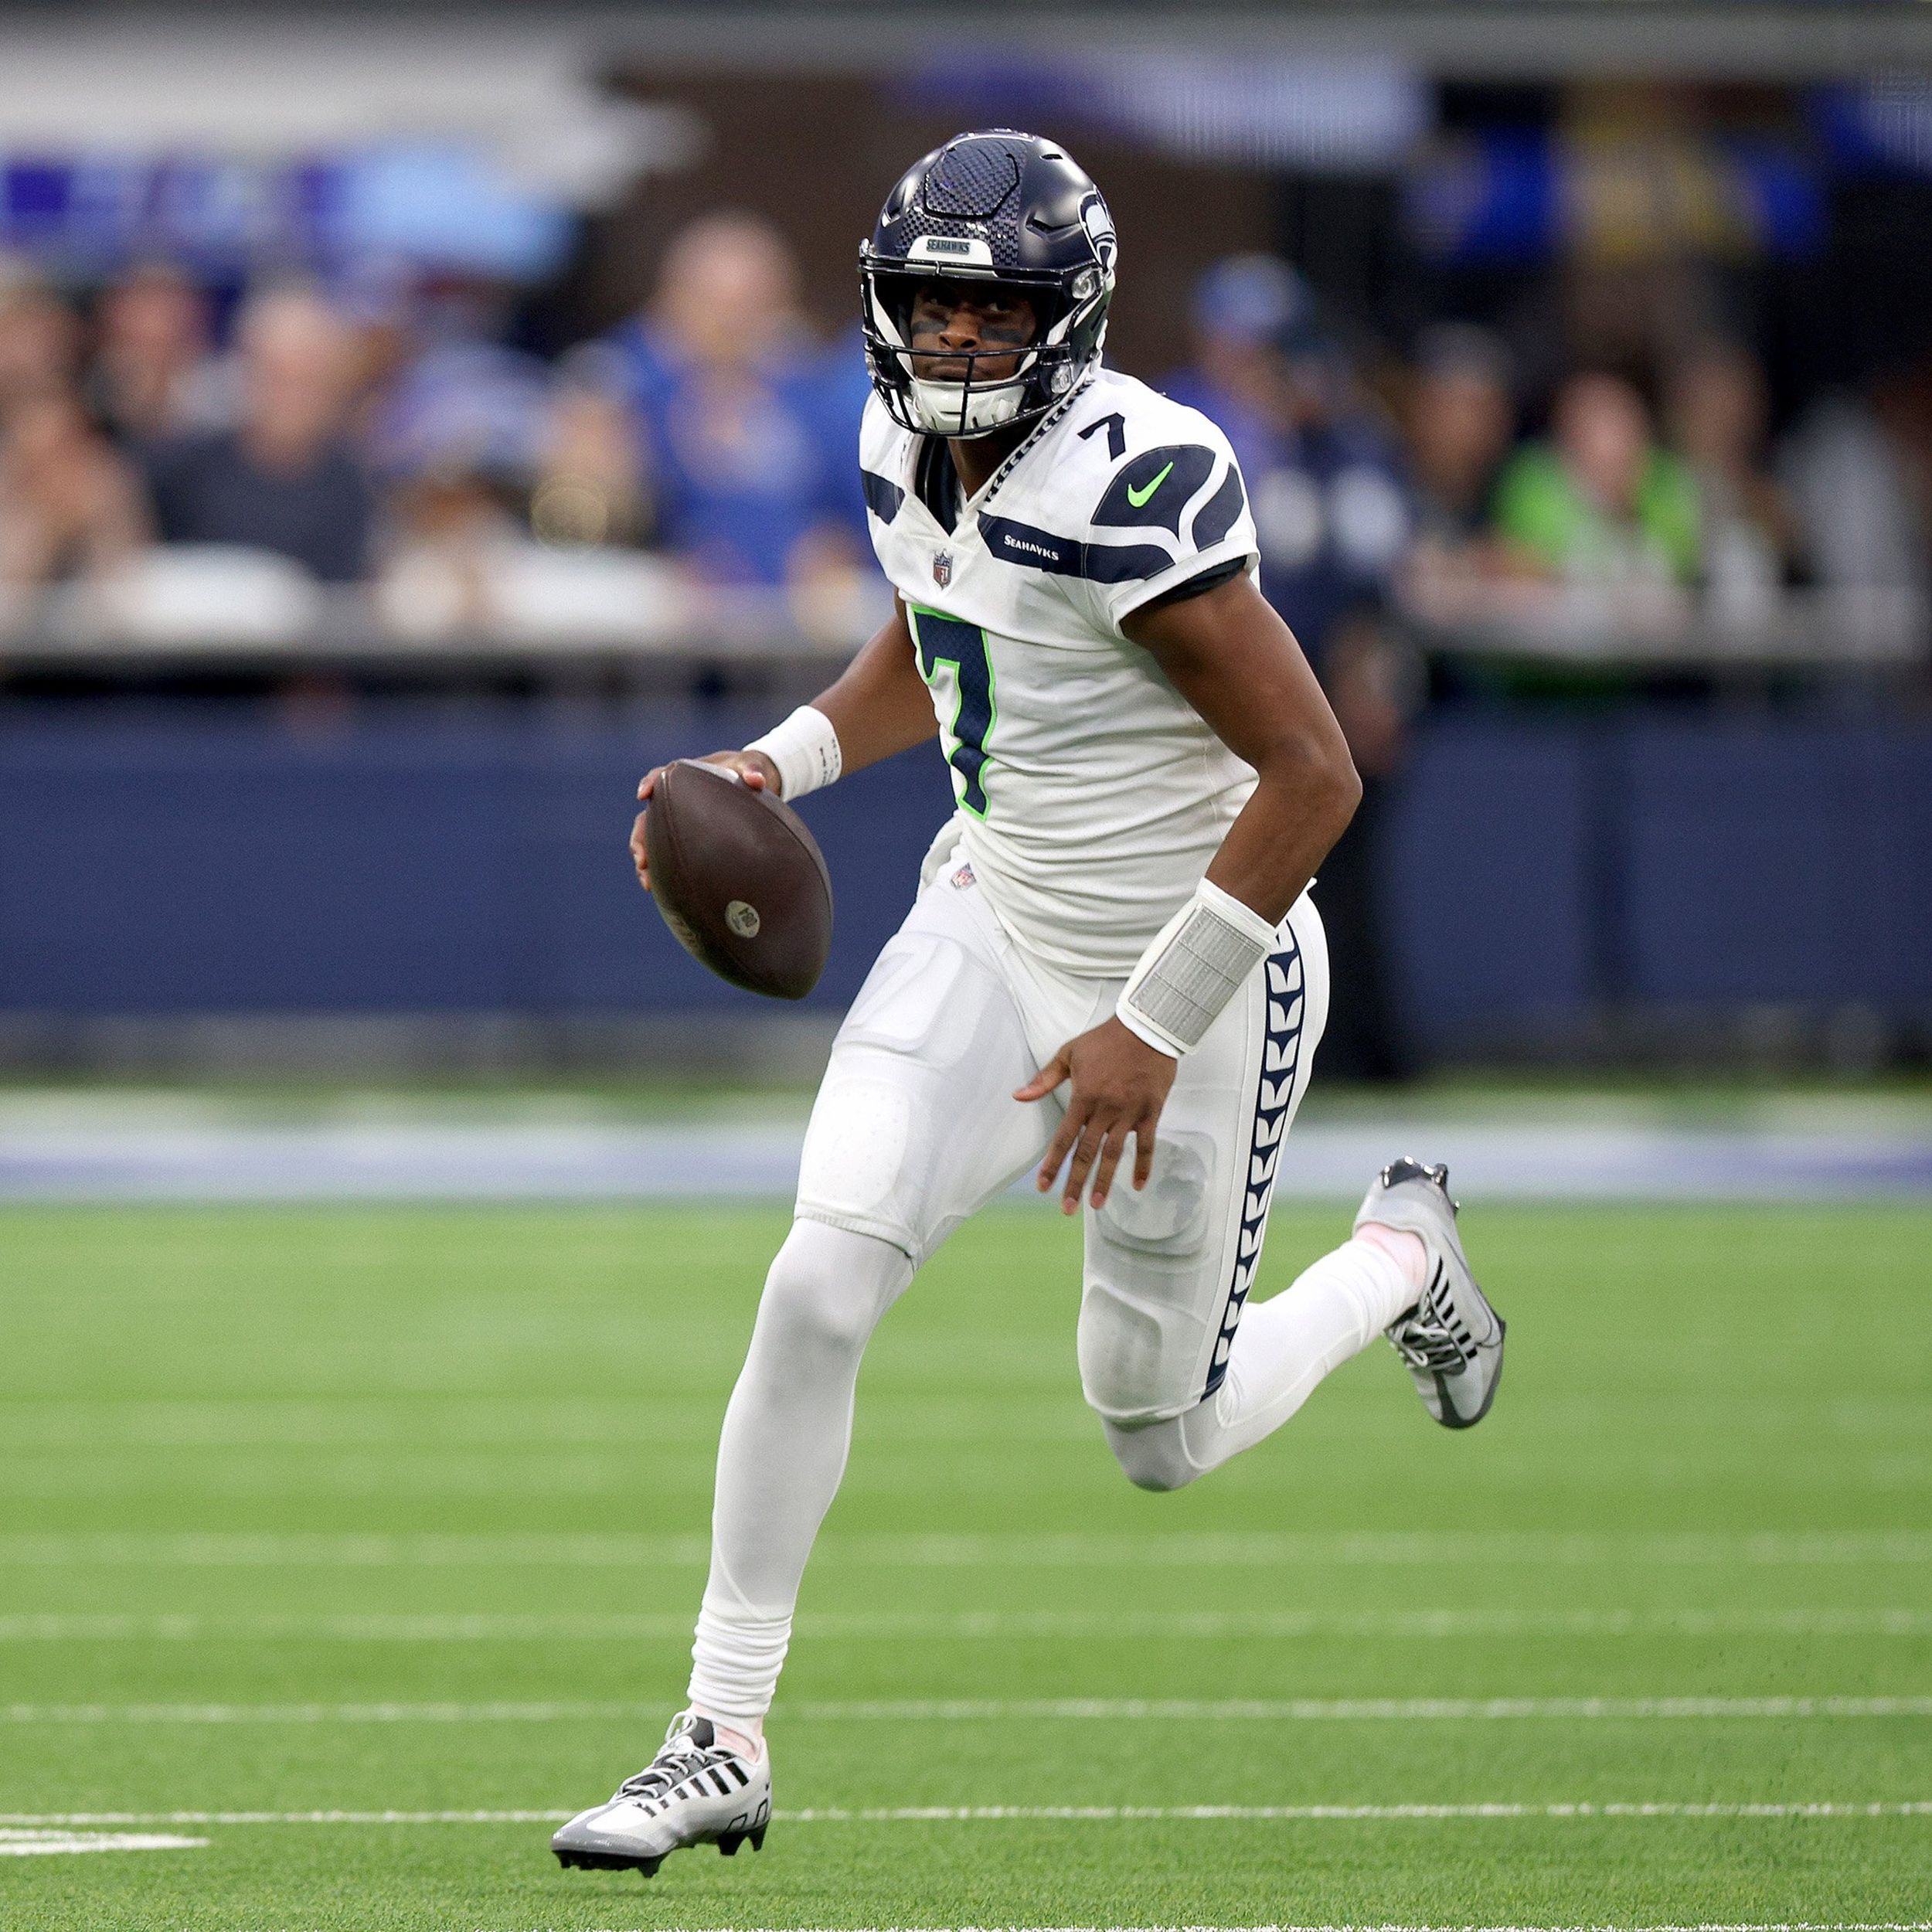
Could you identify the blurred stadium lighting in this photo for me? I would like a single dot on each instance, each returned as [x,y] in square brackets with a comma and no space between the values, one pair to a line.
[270,87]
[279,140]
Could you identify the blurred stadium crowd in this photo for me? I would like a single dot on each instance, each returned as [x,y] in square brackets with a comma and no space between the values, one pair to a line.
[180,459]
[174,460]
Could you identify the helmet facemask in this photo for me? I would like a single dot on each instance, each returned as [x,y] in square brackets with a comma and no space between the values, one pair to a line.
[1032,377]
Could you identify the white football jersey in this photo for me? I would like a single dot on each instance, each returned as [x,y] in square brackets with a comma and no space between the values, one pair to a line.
[1092,795]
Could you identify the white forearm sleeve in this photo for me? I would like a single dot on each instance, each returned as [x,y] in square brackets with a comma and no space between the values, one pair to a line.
[1196,965]
[805,749]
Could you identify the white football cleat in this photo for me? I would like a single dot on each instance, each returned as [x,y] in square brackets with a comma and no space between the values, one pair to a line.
[695,1791]
[1452,1338]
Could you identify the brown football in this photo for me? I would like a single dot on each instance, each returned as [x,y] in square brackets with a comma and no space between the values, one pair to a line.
[739,880]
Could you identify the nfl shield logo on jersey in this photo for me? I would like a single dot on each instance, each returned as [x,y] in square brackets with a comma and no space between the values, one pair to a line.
[942,568]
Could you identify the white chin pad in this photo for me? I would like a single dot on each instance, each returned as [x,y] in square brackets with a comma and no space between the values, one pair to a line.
[961,408]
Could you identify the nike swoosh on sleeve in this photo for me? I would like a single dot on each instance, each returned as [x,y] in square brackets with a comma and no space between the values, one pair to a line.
[1153,489]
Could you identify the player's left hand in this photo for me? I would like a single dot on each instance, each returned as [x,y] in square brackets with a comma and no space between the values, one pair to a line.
[1120,1086]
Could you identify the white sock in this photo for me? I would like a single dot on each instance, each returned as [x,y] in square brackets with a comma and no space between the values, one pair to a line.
[1284,1346]
[786,1432]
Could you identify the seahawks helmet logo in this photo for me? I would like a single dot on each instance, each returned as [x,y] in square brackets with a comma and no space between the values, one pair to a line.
[1099,225]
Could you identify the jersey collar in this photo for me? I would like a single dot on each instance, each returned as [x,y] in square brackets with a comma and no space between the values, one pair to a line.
[969,510]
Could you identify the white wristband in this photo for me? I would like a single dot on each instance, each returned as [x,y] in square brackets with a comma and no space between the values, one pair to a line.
[1197,963]
[805,749]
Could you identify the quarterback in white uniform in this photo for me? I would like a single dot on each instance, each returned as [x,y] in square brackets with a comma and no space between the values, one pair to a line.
[1113,962]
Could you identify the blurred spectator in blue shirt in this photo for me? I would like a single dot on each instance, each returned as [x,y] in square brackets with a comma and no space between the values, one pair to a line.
[844,388]
[1323,470]
[284,478]
[747,454]
[1240,305]
[457,397]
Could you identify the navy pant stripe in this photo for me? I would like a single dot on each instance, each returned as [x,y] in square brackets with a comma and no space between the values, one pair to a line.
[1286,992]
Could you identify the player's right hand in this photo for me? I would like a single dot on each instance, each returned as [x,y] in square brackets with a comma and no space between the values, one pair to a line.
[1119,1084]
[752,768]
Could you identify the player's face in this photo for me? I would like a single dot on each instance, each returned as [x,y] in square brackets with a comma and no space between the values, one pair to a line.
[951,320]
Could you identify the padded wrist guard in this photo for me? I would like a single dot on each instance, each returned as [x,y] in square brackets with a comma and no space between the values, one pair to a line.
[1196,965]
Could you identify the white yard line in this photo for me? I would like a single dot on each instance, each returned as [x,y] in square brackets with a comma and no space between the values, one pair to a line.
[1004,1626]
[950,1710]
[15,1845]
[1431,1549]
[1358,1709]
[1051,1814]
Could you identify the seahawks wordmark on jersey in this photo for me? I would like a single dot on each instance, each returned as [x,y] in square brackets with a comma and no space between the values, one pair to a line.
[1092,795]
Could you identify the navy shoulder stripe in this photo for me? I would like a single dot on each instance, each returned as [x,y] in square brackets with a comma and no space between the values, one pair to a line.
[1151,490]
[1123,563]
[1066,556]
[1215,517]
[883,496]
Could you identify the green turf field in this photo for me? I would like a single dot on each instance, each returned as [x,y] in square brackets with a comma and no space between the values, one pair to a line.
[362,1512]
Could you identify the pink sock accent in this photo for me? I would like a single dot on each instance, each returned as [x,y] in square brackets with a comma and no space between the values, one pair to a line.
[738,1734]
[1404,1249]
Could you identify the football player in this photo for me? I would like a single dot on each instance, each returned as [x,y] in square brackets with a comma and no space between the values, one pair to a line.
[1112,971]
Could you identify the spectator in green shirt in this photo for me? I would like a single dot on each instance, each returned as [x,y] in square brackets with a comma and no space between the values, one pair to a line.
[1600,503]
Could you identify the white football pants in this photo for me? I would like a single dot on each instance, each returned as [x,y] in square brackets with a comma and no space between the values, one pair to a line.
[914,1130]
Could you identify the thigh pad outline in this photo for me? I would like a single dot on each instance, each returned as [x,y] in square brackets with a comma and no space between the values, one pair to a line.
[908,1004]
[1169,1215]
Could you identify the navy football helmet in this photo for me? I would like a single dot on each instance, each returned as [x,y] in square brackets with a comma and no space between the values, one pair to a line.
[1001,207]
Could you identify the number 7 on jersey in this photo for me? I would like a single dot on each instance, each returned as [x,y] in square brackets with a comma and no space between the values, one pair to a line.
[940,639]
